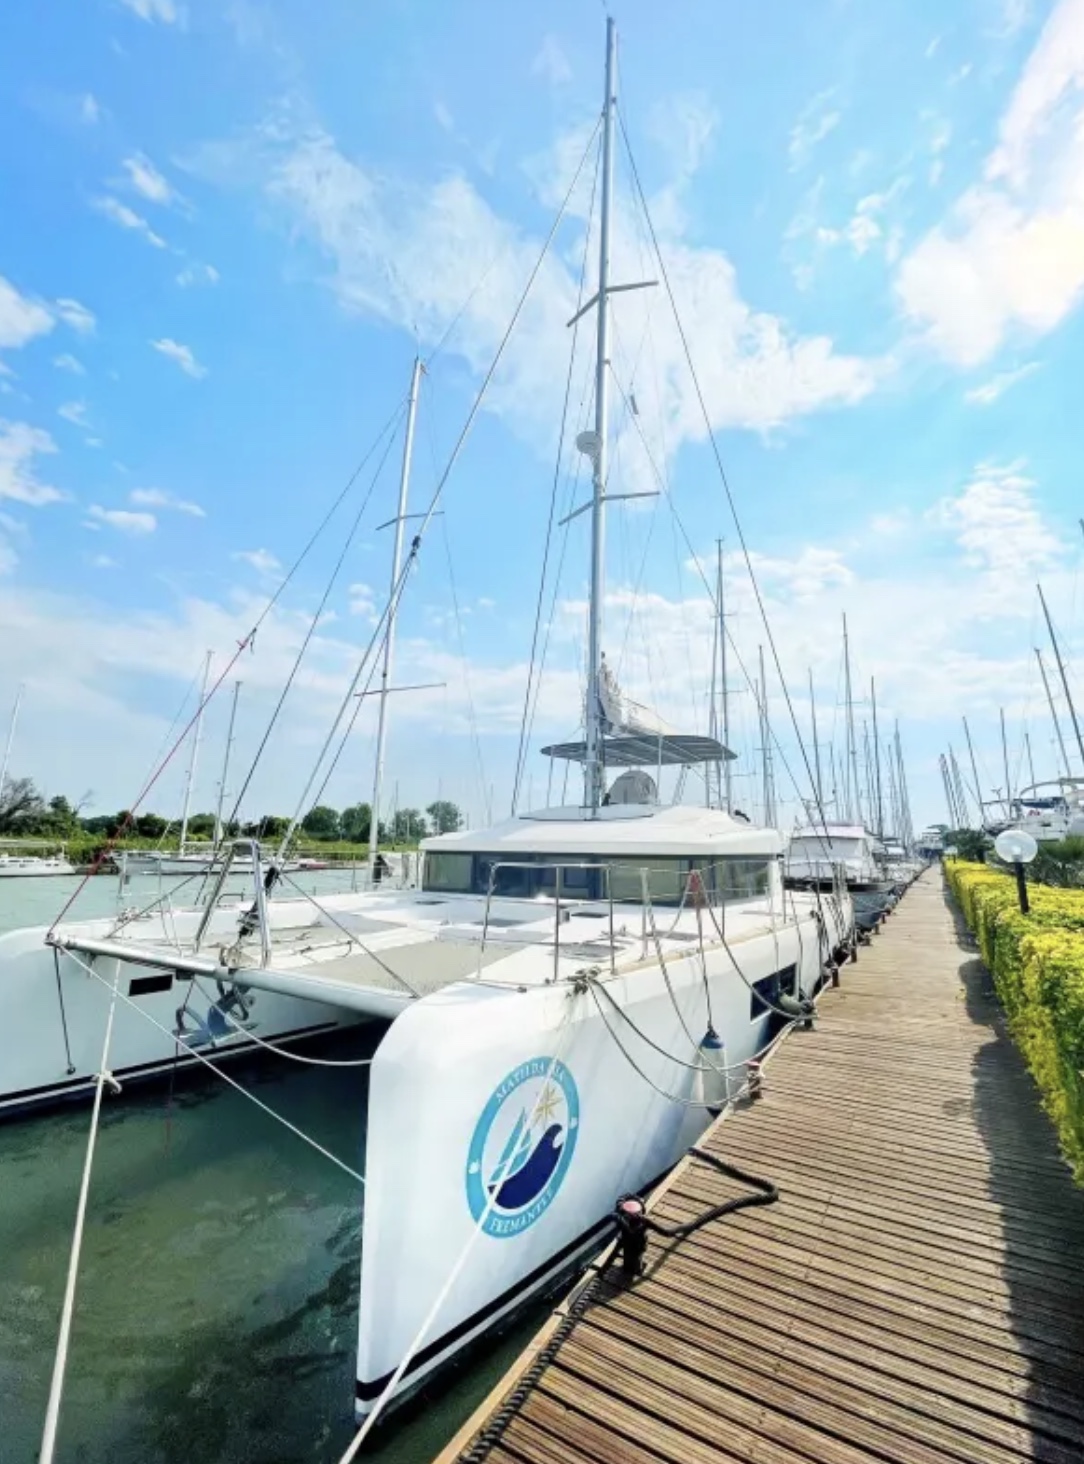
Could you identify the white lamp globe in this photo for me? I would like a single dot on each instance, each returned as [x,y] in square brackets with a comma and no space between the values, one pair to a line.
[1015,846]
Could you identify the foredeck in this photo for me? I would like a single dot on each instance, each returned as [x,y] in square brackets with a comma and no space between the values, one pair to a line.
[915,1296]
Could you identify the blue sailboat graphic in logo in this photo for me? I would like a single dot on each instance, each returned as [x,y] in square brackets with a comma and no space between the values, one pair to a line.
[514,1169]
[525,1167]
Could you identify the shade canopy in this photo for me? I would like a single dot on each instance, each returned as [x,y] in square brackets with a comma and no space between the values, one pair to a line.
[641,750]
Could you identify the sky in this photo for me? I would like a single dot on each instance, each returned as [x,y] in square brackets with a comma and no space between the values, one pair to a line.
[228,226]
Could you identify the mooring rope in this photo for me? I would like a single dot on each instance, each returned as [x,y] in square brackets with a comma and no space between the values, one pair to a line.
[67,1310]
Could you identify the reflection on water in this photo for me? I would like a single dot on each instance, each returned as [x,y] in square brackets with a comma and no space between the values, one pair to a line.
[216,1314]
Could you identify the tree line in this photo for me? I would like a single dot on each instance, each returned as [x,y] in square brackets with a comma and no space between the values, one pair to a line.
[26,813]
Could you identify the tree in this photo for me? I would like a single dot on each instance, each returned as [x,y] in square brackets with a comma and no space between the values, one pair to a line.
[21,805]
[61,815]
[354,823]
[270,826]
[408,826]
[201,825]
[147,825]
[321,822]
[444,817]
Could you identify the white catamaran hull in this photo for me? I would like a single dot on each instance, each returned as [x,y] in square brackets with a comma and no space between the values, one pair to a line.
[55,1011]
[447,1085]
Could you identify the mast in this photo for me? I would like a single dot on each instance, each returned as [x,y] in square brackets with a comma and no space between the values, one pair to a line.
[197,733]
[950,800]
[893,796]
[594,772]
[958,784]
[226,766]
[854,800]
[1064,679]
[11,735]
[724,696]
[765,737]
[1005,763]
[1053,712]
[876,761]
[905,800]
[1031,765]
[974,772]
[389,639]
[816,749]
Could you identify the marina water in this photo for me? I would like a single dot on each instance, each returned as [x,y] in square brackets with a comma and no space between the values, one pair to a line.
[217,1310]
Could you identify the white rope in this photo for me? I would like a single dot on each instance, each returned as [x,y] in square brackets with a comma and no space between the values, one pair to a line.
[453,1276]
[326,1062]
[192,1052]
[63,1341]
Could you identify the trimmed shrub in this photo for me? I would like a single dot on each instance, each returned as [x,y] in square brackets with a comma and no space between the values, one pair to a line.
[1037,962]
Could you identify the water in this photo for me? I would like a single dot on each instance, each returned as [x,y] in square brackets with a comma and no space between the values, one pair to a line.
[216,1313]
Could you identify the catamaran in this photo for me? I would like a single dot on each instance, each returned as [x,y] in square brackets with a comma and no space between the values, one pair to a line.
[569,995]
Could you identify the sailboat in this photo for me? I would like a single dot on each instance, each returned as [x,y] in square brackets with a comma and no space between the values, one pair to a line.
[570,995]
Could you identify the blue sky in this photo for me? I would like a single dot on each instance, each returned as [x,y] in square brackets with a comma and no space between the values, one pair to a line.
[225,228]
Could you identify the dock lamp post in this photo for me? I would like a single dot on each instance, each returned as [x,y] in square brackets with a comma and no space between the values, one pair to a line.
[1016,847]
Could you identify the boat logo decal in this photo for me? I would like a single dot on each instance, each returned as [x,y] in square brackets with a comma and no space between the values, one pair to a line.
[522,1146]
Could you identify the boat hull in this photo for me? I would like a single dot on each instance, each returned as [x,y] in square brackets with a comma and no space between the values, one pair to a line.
[455,1061]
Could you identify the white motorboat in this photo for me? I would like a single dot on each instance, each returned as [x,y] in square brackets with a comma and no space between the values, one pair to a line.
[34,866]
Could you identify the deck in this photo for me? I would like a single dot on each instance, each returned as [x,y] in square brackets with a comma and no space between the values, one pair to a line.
[915,1296]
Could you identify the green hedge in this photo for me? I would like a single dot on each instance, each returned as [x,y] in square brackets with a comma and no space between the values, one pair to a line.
[1037,962]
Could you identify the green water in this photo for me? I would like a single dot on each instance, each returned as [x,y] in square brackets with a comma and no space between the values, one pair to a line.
[216,1313]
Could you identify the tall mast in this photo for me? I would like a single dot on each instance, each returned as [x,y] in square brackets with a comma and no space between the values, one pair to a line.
[1005,762]
[226,765]
[974,772]
[893,796]
[594,774]
[389,639]
[11,734]
[1053,712]
[854,801]
[197,733]
[876,761]
[958,784]
[1064,678]
[713,773]
[724,696]
[905,800]
[816,749]
[1031,765]
[765,736]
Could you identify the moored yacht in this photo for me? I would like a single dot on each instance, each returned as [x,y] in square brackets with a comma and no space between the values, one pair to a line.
[820,855]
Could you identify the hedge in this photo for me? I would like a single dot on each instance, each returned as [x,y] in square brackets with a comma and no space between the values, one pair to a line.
[1037,961]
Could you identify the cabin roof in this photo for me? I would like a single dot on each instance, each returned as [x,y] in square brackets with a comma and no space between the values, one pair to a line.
[619,829]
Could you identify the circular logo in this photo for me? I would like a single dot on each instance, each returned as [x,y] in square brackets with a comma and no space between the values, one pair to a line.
[522,1146]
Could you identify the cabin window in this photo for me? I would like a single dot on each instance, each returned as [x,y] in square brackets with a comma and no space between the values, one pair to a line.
[528,877]
[449,872]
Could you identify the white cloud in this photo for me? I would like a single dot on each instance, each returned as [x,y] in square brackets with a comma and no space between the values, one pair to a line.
[159,498]
[145,178]
[123,520]
[260,559]
[551,63]
[67,362]
[21,319]
[102,561]
[74,412]
[20,444]
[1010,254]
[198,274]
[997,524]
[1015,15]
[817,119]
[183,356]
[90,110]
[445,120]
[127,218]
[362,601]
[165,11]
[72,313]
[988,393]
[408,254]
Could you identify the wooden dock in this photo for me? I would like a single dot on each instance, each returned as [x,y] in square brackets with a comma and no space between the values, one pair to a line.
[915,1296]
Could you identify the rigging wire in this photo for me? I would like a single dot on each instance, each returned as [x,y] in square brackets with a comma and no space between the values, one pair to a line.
[521,752]
[719,465]
[390,429]
[476,740]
